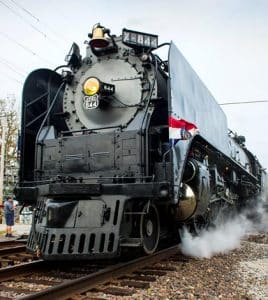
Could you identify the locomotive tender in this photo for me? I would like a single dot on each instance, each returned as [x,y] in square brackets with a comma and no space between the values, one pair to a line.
[122,149]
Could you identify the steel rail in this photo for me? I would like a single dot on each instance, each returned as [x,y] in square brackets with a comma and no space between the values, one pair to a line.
[12,250]
[9,273]
[71,287]
[6,244]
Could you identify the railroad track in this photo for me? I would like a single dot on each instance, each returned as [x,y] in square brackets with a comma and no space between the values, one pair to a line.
[44,280]
[14,252]
[13,243]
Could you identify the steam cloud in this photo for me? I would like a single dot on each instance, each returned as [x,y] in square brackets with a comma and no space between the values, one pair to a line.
[225,236]
[220,239]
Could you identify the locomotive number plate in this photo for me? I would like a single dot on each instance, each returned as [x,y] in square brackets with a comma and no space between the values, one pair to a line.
[91,102]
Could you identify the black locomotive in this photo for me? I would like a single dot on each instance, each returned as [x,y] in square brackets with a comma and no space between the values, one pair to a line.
[121,149]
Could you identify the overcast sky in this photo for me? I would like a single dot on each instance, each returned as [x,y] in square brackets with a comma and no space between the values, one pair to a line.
[225,41]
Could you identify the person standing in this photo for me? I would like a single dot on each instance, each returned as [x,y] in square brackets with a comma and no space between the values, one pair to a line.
[9,215]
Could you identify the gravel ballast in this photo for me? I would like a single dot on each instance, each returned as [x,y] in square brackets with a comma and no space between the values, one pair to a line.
[240,274]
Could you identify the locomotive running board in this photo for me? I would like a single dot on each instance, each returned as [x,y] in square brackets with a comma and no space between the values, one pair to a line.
[150,189]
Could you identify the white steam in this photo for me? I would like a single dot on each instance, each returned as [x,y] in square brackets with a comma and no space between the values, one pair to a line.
[226,236]
[261,212]
[220,239]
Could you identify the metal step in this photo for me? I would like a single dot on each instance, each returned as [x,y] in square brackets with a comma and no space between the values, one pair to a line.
[130,242]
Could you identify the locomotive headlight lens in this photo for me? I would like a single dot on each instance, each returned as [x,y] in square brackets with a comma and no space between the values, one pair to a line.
[91,86]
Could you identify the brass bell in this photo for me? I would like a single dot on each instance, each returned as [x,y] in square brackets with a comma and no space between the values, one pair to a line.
[98,40]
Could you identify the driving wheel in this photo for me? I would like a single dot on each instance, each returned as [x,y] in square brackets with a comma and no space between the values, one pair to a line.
[149,229]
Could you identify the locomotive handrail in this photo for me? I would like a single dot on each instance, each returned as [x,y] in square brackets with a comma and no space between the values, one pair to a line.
[143,120]
[53,180]
[87,130]
[25,183]
[164,161]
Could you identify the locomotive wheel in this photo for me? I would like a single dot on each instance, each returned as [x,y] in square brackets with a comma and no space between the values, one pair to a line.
[220,212]
[149,229]
[198,225]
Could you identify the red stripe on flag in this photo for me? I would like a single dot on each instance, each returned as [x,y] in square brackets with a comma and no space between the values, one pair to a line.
[180,123]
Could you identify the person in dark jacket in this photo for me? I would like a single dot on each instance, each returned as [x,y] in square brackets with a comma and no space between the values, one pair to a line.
[9,215]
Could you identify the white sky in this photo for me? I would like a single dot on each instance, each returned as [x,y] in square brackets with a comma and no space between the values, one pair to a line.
[225,41]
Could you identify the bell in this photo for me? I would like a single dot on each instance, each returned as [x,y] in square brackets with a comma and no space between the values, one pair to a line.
[98,40]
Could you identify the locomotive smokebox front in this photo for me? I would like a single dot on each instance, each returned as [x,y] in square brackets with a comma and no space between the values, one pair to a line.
[107,91]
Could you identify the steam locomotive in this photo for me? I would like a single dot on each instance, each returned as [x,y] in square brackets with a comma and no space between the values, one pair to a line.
[121,149]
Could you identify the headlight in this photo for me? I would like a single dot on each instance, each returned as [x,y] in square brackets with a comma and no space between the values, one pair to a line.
[91,86]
